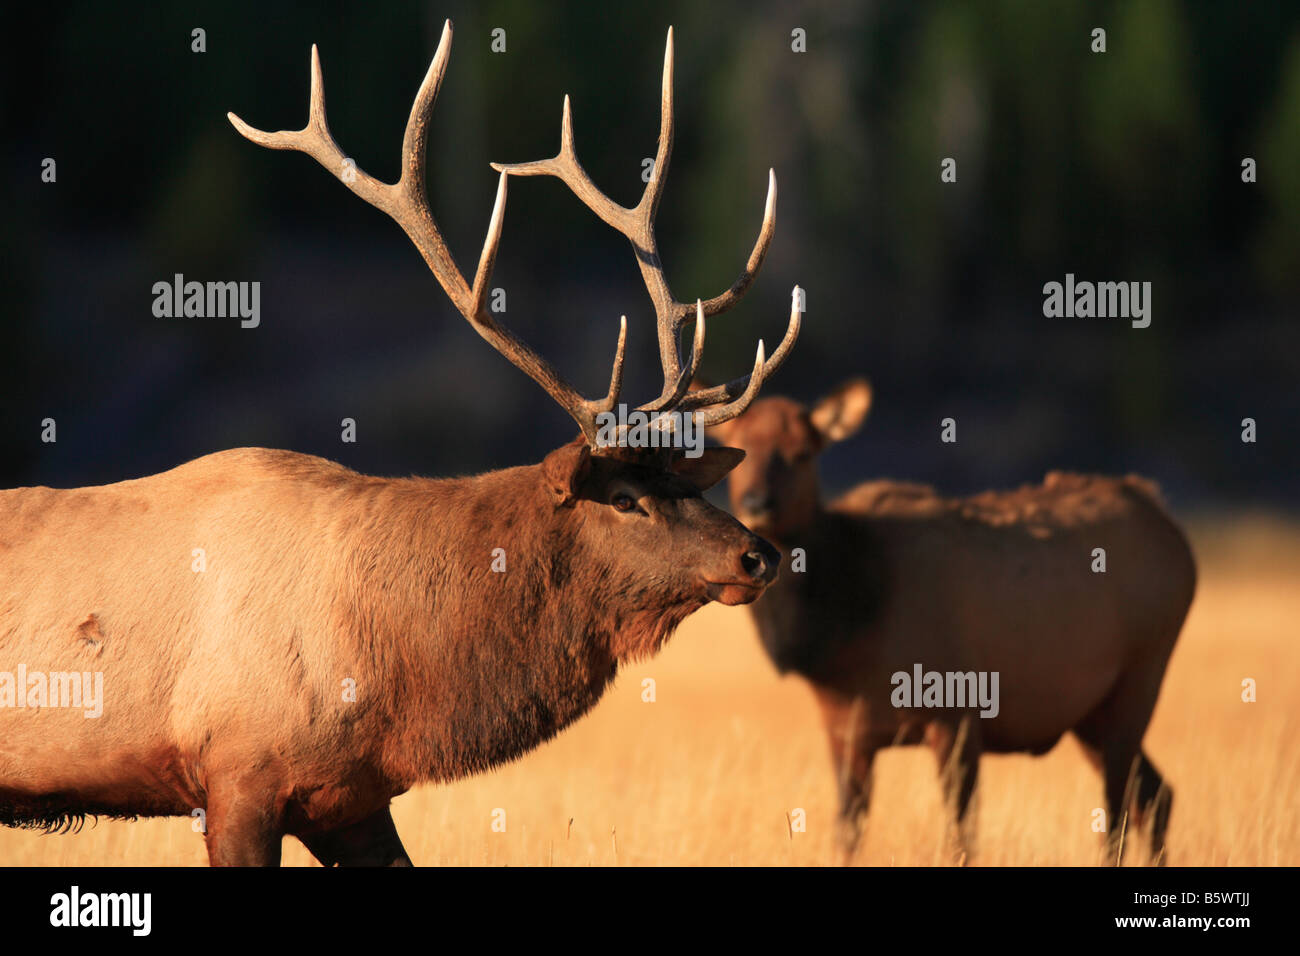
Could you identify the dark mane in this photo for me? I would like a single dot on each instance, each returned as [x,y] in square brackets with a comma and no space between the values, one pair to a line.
[55,819]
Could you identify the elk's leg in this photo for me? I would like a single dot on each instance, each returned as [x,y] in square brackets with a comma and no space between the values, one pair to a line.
[369,842]
[854,775]
[1155,800]
[1112,737]
[1116,765]
[957,749]
[1115,820]
[1119,767]
[852,757]
[243,827]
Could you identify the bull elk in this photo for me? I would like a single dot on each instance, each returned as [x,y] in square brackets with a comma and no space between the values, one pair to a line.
[349,637]
[897,579]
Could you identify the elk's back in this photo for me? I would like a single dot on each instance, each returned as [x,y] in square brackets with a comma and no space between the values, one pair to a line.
[160,584]
[1010,582]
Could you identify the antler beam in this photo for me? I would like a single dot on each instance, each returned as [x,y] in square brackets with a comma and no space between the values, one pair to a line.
[406,202]
[637,224]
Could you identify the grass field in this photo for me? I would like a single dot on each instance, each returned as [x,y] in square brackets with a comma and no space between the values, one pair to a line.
[708,772]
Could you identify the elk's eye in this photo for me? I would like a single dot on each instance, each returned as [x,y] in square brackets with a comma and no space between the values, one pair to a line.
[624,502]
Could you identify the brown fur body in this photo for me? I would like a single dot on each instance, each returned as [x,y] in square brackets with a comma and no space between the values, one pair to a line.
[227,689]
[224,689]
[996,582]
[898,575]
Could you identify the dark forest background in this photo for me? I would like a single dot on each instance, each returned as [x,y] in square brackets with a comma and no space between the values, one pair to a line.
[1122,166]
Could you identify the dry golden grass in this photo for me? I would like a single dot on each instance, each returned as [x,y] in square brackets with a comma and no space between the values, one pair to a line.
[708,772]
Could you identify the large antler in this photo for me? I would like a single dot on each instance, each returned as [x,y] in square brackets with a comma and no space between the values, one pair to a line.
[638,225]
[406,201]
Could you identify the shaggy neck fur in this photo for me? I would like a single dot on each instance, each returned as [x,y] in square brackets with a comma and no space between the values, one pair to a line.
[486,664]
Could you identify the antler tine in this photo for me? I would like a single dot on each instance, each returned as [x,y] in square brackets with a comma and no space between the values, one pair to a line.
[583,411]
[637,224]
[721,303]
[565,166]
[739,387]
[314,139]
[671,399]
[668,423]
[415,138]
[654,189]
[488,257]
[616,376]
[718,414]
[406,201]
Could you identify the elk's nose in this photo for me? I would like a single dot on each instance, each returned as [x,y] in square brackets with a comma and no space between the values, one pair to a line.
[761,562]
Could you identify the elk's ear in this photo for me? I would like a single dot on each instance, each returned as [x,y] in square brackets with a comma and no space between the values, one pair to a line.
[841,413]
[565,468]
[709,468]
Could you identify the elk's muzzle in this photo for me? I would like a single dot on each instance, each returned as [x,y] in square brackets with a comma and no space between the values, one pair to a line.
[758,566]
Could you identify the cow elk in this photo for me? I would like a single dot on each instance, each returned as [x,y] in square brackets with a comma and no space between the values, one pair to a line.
[348,636]
[891,578]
